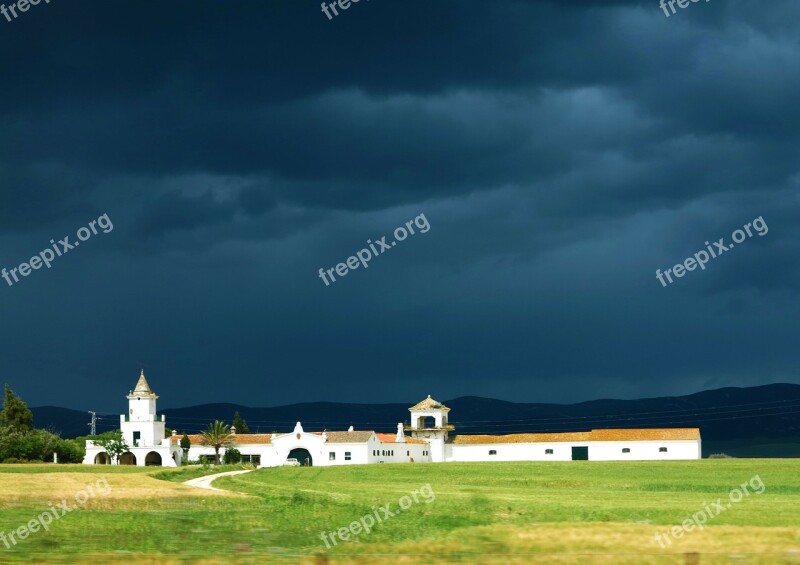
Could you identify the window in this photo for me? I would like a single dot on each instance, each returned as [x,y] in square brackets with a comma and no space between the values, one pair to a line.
[492,452]
[548,451]
[662,449]
[626,450]
[136,437]
[347,456]
[332,456]
[408,454]
[383,452]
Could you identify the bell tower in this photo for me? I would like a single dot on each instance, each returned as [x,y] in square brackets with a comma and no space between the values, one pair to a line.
[142,426]
[435,432]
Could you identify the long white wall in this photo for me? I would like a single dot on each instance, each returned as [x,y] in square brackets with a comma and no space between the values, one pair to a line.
[644,450]
[508,452]
[562,451]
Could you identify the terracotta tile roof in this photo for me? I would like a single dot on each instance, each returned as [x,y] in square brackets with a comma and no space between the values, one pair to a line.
[416,441]
[239,439]
[392,438]
[646,434]
[522,438]
[349,437]
[654,434]
[430,404]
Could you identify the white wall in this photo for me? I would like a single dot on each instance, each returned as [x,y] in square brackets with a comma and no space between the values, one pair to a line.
[562,451]
[643,450]
[402,452]
[508,452]
[359,454]
[166,452]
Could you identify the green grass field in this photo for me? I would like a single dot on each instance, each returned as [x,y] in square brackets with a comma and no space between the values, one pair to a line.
[573,512]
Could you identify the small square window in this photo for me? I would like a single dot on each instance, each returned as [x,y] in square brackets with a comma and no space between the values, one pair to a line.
[626,450]
[347,456]
[332,456]
[492,452]
[662,449]
[548,451]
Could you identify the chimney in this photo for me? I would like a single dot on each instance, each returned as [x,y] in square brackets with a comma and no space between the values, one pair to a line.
[350,429]
[401,436]
[233,430]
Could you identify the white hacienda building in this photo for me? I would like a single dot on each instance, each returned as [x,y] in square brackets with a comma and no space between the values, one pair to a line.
[143,431]
[429,442]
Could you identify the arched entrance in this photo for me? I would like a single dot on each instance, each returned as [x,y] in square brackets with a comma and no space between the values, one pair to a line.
[127,458]
[302,455]
[102,458]
[152,459]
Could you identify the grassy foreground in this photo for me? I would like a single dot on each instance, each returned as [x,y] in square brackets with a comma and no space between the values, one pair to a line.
[573,512]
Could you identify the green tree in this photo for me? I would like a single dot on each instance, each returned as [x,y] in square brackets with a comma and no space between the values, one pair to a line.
[240,424]
[217,435]
[70,451]
[34,445]
[232,456]
[113,443]
[15,415]
[186,443]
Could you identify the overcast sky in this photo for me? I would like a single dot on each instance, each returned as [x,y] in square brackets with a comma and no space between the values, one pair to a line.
[561,151]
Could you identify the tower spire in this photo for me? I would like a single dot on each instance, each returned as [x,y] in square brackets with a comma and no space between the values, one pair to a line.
[142,387]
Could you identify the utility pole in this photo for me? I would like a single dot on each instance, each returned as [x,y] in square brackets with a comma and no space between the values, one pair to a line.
[93,423]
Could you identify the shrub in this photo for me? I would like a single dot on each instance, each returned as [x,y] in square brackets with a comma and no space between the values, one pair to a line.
[35,445]
[232,455]
[70,451]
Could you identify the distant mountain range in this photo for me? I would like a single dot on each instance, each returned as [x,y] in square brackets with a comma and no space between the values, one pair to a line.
[762,421]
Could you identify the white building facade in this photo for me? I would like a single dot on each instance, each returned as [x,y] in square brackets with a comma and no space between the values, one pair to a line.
[143,431]
[429,442]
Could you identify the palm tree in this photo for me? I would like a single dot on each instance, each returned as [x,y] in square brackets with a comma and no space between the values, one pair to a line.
[217,435]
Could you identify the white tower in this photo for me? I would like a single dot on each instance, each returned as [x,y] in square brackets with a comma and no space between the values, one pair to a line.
[435,434]
[141,426]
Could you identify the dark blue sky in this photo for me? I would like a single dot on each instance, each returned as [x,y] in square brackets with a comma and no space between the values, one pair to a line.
[562,151]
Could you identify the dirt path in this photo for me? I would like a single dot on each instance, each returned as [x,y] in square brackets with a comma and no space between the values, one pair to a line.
[205,482]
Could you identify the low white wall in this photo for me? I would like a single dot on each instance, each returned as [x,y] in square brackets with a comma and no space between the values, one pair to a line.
[562,451]
[509,452]
[644,450]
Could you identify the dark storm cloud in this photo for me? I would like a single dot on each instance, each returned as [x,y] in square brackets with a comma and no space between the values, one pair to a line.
[562,151]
